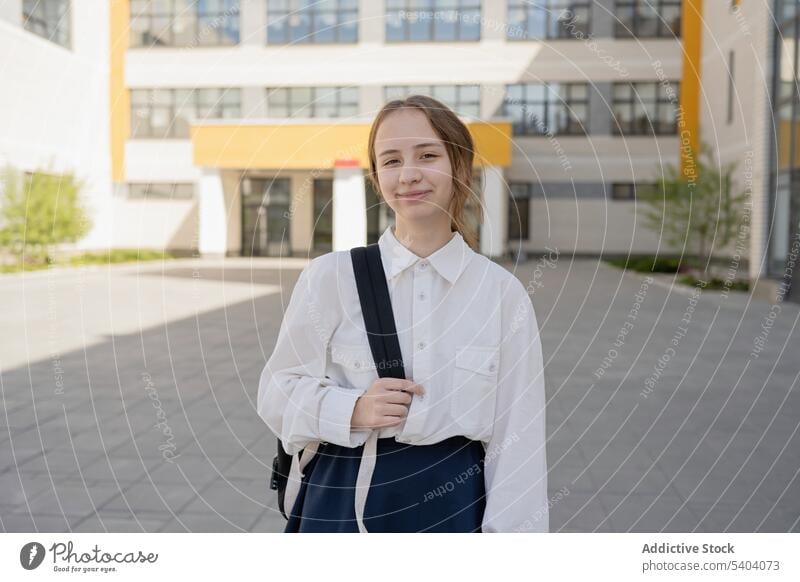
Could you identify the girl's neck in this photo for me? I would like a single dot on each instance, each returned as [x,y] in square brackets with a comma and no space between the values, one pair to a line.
[422,239]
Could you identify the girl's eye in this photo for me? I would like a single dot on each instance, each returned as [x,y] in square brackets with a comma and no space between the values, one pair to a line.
[386,163]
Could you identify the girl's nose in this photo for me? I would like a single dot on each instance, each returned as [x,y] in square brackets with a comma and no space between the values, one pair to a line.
[409,174]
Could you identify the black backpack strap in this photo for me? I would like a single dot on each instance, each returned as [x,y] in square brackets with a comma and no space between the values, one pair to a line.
[376,306]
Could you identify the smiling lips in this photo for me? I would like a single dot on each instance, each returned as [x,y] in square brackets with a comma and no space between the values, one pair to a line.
[414,195]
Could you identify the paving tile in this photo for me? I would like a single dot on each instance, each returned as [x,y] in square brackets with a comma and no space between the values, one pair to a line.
[147,497]
[193,363]
[69,499]
[25,523]
[209,523]
[95,524]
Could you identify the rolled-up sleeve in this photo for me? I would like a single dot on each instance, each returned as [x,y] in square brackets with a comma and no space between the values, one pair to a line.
[515,470]
[295,398]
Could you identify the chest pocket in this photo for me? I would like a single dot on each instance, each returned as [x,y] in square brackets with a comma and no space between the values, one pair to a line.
[355,363]
[472,402]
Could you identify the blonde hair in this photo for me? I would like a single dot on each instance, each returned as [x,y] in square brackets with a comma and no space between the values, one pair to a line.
[460,149]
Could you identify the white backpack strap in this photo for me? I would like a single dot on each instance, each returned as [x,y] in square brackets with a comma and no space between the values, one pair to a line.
[366,468]
[296,475]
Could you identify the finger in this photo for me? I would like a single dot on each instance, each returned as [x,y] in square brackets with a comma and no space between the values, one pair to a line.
[398,397]
[414,388]
[394,410]
[394,384]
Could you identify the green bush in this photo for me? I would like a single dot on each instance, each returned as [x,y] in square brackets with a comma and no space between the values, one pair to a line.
[119,256]
[718,284]
[38,211]
[648,264]
[699,209]
[114,256]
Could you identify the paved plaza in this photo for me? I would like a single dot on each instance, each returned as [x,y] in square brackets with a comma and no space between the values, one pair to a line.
[128,398]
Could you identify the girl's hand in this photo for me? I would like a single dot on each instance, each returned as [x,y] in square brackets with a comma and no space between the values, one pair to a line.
[385,403]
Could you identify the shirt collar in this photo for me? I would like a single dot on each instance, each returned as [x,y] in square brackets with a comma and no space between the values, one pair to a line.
[449,261]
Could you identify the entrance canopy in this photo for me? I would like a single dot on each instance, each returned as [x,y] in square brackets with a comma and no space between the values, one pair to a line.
[313,144]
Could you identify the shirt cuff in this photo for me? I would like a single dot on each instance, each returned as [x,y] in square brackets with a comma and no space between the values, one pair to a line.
[335,413]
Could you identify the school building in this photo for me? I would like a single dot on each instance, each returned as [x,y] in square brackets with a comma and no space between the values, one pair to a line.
[239,127]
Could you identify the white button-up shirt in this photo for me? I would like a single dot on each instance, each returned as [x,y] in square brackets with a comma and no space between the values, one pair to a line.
[468,334]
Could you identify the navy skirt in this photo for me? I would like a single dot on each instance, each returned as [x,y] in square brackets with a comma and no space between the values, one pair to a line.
[415,488]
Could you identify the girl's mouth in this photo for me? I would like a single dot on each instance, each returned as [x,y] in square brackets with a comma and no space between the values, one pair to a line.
[414,195]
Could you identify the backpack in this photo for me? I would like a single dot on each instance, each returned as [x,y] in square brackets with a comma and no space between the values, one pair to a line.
[376,307]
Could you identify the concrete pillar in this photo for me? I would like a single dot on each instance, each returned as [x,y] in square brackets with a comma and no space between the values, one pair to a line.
[371,99]
[254,102]
[493,19]
[494,230]
[372,29]
[601,116]
[492,97]
[213,239]
[253,22]
[602,19]
[349,207]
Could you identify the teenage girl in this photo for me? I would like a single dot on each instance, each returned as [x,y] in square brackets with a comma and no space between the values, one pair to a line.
[459,446]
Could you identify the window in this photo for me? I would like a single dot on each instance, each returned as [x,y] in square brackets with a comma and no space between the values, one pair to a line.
[144,191]
[645,108]
[648,18]
[547,108]
[184,23]
[312,102]
[628,190]
[320,21]
[465,100]
[519,211]
[433,20]
[168,113]
[49,19]
[548,19]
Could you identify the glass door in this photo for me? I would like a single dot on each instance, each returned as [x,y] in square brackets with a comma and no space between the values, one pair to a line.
[265,217]
[323,215]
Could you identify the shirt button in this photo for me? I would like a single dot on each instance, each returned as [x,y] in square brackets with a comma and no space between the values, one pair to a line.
[357,365]
[420,345]
[422,296]
[491,367]
[423,264]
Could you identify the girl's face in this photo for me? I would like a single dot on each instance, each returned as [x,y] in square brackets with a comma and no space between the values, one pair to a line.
[414,171]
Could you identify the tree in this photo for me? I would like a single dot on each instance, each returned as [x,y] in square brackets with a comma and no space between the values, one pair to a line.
[700,211]
[39,210]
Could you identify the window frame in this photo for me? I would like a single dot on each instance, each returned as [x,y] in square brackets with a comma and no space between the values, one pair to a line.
[663,30]
[314,101]
[345,12]
[548,6]
[653,127]
[577,127]
[148,96]
[394,8]
[458,106]
[195,17]
[632,189]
